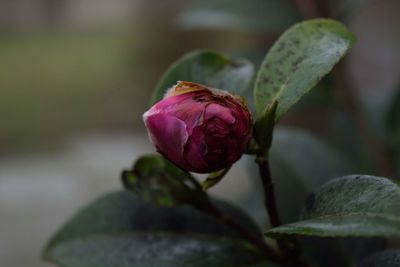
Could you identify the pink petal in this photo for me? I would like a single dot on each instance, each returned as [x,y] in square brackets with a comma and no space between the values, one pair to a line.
[195,150]
[182,107]
[169,135]
[224,113]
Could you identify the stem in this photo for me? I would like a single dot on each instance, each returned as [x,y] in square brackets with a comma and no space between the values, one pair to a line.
[291,247]
[207,206]
[263,135]
[259,242]
[269,192]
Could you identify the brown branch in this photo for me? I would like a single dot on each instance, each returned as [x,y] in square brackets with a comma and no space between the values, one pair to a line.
[269,192]
[290,247]
[255,240]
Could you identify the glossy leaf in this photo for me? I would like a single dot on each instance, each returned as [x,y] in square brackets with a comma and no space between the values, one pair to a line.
[354,205]
[264,264]
[250,15]
[121,230]
[343,252]
[209,68]
[264,128]
[155,179]
[298,60]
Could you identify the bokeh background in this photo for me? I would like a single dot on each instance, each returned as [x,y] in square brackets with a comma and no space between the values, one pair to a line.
[75,77]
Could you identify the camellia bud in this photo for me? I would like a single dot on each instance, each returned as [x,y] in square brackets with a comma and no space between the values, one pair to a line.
[200,129]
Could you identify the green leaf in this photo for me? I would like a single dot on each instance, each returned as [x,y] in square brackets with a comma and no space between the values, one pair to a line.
[209,68]
[387,258]
[121,230]
[155,179]
[214,178]
[337,251]
[264,128]
[250,15]
[298,60]
[354,205]
[263,264]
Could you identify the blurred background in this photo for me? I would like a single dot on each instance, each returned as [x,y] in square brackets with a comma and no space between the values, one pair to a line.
[76,75]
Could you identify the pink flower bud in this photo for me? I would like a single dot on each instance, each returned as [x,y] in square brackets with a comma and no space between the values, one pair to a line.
[198,128]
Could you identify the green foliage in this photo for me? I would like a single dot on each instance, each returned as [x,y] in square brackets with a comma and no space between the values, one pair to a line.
[214,178]
[157,180]
[335,251]
[264,127]
[354,205]
[250,15]
[208,68]
[168,219]
[298,60]
[387,258]
[121,230]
